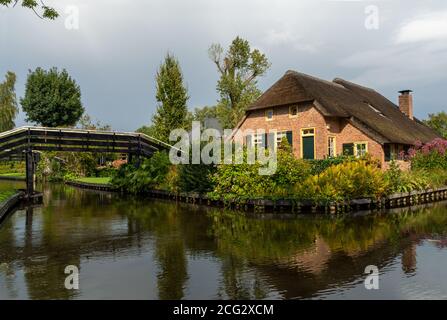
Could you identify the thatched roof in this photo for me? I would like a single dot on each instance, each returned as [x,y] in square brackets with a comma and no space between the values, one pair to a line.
[363,106]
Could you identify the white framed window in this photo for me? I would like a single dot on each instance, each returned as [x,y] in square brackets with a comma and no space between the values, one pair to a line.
[258,139]
[279,136]
[308,132]
[360,148]
[331,146]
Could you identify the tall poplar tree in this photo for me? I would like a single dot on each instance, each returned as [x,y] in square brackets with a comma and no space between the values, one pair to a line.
[8,102]
[172,97]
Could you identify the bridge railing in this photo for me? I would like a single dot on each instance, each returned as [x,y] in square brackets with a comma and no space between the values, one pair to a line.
[21,139]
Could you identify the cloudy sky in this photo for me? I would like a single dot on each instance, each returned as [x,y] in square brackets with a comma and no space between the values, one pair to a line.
[114,54]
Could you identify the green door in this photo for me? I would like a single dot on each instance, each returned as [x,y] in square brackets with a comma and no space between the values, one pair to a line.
[309,147]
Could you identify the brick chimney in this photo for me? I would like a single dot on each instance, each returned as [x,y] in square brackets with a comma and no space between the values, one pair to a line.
[406,103]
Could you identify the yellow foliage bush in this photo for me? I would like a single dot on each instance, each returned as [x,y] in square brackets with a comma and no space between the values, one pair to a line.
[348,180]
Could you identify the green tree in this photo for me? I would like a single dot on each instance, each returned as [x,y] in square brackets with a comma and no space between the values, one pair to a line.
[239,69]
[86,122]
[172,96]
[39,7]
[8,102]
[438,122]
[202,114]
[148,130]
[52,98]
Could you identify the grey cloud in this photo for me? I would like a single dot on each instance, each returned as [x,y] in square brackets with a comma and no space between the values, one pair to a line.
[115,53]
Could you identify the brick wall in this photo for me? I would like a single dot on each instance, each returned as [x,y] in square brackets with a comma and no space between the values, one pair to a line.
[309,117]
[348,134]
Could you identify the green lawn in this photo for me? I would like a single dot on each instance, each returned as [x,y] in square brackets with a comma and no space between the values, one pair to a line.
[13,174]
[4,195]
[95,180]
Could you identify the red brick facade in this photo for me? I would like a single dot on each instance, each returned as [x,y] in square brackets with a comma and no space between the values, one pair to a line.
[309,117]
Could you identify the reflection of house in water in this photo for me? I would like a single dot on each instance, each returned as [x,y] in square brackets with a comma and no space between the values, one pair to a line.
[409,259]
[321,270]
[314,259]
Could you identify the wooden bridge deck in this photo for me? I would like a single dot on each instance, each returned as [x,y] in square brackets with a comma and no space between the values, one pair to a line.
[17,141]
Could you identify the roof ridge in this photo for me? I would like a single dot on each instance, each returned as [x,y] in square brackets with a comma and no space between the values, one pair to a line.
[300,74]
[340,81]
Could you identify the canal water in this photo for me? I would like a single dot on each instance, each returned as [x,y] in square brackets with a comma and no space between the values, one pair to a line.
[131,248]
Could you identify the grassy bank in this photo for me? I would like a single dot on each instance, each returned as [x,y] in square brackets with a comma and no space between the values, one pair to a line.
[18,175]
[5,194]
[94,180]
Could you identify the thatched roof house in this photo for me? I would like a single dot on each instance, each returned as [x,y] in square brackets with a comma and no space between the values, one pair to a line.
[335,117]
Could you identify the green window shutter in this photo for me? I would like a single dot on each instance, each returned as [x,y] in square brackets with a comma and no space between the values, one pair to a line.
[264,140]
[387,150]
[289,136]
[348,149]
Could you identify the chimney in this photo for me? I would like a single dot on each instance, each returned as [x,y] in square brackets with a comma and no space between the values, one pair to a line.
[406,103]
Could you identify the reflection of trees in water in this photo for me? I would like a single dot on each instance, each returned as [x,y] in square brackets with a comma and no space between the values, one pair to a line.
[238,280]
[165,224]
[173,272]
[7,271]
[60,234]
[305,255]
[297,257]
[44,274]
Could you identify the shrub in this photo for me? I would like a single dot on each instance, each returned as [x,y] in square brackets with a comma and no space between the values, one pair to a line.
[105,171]
[435,177]
[238,181]
[149,175]
[320,165]
[12,167]
[406,181]
[170,182]
[195,177]
[55,165]
[121,177]
[431,155]
[348,180]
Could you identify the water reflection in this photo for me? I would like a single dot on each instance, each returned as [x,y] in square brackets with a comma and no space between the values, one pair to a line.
[148,249]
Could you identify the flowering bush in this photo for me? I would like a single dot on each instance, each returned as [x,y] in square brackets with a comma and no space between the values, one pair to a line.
[432,155]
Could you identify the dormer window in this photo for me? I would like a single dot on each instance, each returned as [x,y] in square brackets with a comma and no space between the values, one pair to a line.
[269,115]
[376,110]
[293,111]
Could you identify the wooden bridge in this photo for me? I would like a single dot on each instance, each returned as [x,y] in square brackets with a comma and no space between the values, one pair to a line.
[25,142]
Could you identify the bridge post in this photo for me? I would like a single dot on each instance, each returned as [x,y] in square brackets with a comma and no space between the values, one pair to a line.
[139,152]
[138,162]
[29,159]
